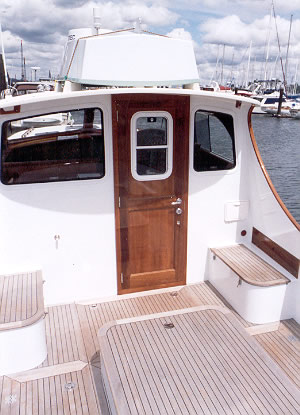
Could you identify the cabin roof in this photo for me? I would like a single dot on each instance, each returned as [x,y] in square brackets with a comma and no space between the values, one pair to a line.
[44,97]
[129,58]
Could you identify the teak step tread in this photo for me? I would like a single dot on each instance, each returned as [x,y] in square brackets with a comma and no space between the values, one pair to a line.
[21,299]
[249,266]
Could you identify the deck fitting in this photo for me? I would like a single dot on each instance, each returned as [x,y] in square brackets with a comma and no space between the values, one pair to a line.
[11,399]
[69,386]
[168,325]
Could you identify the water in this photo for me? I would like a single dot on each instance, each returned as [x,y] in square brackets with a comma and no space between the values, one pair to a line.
[278,141]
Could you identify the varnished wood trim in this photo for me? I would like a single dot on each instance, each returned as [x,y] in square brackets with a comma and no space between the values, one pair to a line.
[276,252]
[153,287]
[116,191]
[267,177]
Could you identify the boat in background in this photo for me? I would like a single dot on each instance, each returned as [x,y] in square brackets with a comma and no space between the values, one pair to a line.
[270,106]
[26,87]
[295,111]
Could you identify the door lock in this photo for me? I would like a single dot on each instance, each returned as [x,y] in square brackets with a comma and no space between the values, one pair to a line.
[179,211]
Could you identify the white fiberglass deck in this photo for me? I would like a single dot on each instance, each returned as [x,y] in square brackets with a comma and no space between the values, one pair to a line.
[193,361]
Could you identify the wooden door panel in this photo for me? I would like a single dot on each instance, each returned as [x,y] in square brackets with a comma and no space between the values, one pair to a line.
[154,188]
[148,280]
[151,237]
[151,251]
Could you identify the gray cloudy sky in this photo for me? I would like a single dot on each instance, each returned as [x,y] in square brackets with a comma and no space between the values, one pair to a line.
[43,26]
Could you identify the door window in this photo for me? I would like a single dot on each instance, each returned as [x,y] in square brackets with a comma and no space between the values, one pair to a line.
[151,145]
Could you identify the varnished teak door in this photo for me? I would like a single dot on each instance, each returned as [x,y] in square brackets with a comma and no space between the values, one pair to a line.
[151,236]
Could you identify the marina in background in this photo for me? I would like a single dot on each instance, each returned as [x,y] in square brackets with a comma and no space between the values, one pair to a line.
[278,141]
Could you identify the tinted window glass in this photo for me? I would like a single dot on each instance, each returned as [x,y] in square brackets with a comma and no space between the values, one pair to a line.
[213,141]
[151,146]
[151,131]
[151,161]
[53,147]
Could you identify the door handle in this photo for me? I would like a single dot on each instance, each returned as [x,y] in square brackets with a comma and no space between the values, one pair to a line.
[177,202]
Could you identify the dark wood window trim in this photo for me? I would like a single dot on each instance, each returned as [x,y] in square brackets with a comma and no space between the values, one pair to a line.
[276,252]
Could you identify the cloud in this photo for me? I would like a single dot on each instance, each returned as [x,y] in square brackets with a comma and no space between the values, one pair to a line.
[180,33]
[43,26]
[237,35]
[246,9]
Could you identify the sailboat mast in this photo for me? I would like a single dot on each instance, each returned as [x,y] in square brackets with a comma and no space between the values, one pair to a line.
[215,74]
[222,64]
[248,67]
[3,57]
[268,44]
[231,74]
[288,46]
[280,56]
[295,78]
[22,63]
[25,78]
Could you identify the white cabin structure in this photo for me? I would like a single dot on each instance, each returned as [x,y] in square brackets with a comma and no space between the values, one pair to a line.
[155,184]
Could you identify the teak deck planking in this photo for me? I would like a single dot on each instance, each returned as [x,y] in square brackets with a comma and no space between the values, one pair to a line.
[283,346]
[71,332]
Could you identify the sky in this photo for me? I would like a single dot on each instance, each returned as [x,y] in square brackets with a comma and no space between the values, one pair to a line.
[230,37]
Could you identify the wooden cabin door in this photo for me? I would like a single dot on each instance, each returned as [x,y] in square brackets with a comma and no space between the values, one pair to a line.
[151,145]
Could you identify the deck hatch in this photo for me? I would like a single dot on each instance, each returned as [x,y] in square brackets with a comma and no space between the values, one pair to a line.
[206,364]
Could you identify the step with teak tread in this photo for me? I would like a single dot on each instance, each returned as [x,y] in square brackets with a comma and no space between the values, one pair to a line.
[249,266]
[21,299]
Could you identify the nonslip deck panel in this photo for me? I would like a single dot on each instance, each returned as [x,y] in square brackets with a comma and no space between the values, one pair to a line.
[249,266]
[21,299]
[206,364]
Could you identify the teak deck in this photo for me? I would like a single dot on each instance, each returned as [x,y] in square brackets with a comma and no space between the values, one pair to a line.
[73,351]
[249,266]
[21,300]
[191,361]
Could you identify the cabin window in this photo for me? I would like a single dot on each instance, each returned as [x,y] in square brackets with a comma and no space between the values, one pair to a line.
[53,147]
[213,141]
[151,145]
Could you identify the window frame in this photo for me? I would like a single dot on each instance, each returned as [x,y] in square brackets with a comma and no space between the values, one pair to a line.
[52,110]
[209,109]
[168,146]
